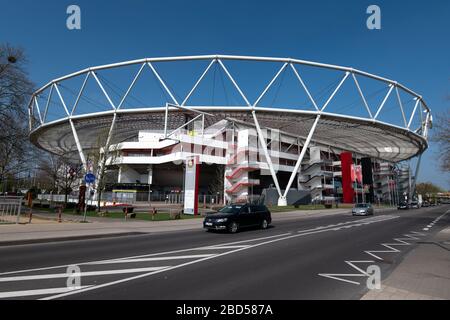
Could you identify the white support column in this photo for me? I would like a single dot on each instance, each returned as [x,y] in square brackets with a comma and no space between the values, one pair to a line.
[119,175]
[300,159]
[74,131]
[107,145]
[203,125]
[105,152]
[166,115]
[266,153]
[111,130]
[409,182]
[425,130]
[150,182]
[413,189]
[79,148]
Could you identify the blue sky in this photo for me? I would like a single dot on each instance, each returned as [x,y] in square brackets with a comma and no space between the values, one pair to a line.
[412,47]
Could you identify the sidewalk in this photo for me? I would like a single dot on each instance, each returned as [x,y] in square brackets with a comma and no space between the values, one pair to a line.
[424,274]
[72,229]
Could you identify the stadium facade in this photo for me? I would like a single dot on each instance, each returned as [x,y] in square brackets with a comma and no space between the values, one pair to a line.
[278,154]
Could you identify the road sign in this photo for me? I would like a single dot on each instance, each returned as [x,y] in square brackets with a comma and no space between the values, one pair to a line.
[89,178]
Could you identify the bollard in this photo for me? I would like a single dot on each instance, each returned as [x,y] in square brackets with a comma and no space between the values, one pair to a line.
[59,215]
[154,212]
[30,215]
[126,213]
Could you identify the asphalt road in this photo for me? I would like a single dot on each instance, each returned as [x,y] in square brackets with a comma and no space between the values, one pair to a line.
[308,258]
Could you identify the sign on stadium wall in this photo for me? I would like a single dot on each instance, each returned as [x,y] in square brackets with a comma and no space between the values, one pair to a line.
[191,185]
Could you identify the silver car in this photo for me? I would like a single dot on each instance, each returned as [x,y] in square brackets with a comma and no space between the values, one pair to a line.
[362,209]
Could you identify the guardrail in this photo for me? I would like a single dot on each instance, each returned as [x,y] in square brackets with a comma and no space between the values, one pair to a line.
[10,208]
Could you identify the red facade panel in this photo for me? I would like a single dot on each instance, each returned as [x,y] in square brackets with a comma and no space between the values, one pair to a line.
[347,184]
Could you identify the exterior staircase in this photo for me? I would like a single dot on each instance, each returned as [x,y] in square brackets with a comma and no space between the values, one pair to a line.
[237,177]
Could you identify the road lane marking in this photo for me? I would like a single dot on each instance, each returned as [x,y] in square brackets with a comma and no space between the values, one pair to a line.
[139,256]
[400,241]
[80,274]
[338,276]
[223,247]
[429,226]
[38,292]
[230,245]
[418,233]
[383,217]
[353,223]
[391,250]
[350,224]
[193,256]
[186,264]
[202,247]
[253,240]
[412,235]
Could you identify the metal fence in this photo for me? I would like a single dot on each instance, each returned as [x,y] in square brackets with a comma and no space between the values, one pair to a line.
[10,208]
[130,198]
[57,198]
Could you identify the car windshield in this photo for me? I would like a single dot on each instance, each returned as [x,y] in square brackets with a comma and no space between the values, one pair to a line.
[230,209]
[361,205]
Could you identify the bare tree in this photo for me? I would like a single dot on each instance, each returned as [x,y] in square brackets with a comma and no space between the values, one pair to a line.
[63,172]
[441,135]
[16,152]
[15,87]
[216,185]
[428,188]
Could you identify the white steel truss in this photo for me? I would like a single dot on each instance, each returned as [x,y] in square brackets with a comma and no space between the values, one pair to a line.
[420,105]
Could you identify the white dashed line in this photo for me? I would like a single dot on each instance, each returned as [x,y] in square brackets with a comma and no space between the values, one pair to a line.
[81,274]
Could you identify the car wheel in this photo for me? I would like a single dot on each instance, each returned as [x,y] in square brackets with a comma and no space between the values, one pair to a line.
[233,227]
[264,224]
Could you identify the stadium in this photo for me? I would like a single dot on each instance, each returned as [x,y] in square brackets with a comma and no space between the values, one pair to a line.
[222,128]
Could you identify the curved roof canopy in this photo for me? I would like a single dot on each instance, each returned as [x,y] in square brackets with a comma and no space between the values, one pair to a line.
[383,119]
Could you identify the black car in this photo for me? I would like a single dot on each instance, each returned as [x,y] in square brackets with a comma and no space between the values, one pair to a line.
[236,216]
[403,206]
